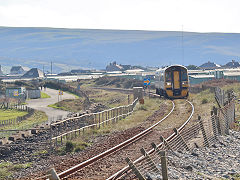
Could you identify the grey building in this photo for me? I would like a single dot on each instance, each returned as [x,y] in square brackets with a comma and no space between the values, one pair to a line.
[17,70]
[34,73]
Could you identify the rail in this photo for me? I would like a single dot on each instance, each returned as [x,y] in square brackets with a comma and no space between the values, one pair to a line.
[119,173]
[112,150]
[202,133]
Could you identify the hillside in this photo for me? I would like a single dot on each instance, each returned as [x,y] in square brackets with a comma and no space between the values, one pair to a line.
[84,48]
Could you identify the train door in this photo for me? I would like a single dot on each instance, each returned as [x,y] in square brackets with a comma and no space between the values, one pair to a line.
[176,80]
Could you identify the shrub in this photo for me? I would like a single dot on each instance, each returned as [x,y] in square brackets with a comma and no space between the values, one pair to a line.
[142,107]
[69,146]
[204,101]
[118,85]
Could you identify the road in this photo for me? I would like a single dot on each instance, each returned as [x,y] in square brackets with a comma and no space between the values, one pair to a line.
[42,104]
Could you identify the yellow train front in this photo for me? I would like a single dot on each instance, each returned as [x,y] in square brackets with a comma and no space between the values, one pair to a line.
[172,82]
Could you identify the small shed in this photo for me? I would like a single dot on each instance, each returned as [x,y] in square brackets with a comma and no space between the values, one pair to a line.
[16,92]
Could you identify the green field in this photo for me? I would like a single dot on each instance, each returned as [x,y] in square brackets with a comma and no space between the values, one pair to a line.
[44,95]
[6,114]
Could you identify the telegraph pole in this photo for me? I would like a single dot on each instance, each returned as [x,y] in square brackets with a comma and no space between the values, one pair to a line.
[51,67]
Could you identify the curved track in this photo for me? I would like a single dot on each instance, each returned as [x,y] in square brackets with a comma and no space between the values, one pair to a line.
[122,145]
[120,173]
[114,149]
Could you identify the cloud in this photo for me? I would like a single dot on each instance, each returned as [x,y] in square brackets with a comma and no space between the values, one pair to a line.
[224,50]
[196,16]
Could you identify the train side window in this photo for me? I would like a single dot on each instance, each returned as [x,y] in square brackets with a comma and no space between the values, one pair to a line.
[184,75]
[168,76]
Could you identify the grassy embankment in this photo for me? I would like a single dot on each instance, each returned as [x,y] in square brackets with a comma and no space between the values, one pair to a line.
[204,101]
[8,168]
[37,118]
[109,99]
[44,95]
[139,116]
[6,114]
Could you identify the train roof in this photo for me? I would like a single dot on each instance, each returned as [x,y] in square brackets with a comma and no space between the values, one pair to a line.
[164,69]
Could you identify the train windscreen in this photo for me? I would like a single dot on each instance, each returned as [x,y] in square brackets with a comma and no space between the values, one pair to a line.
[184,75]
[168,76]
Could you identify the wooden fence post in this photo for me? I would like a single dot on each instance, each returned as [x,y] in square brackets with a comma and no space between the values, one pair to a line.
[218,125]
[134,169]
[150,161]
[182,139]
[53,175]
[214,126]
[164,165]
[165,143]
[102,118]
[50,134]
[203,131]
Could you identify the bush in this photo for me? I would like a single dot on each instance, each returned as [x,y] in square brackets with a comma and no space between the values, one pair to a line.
[118,85]
[69,146]
[142,107]
[204,101]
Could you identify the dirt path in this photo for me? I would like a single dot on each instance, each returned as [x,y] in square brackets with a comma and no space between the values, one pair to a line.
[42,104]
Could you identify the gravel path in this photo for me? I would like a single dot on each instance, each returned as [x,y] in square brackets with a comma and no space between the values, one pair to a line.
[42,104]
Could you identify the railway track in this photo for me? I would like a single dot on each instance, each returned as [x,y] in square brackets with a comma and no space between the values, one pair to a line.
[99,167]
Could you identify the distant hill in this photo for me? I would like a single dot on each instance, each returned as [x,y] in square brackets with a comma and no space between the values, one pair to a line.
[88,49]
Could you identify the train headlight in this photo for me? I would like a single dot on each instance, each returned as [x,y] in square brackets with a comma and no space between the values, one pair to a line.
[168,83]
[184,83]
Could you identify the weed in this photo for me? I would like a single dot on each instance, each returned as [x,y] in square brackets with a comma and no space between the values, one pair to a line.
[81,146]
[11,114]
[142,108]
[40,152]
[69,146]
[7,168]
[204,101]
[44,95]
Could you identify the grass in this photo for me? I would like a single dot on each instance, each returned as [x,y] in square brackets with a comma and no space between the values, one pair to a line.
[11,114]
[61,106]
[76,96]
[44,95]
[40,152]
[107,98]
[138,117]
[7,168]
[203,103]
[37,118]
[73,146]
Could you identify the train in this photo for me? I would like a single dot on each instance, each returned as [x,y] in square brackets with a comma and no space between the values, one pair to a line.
[172,82]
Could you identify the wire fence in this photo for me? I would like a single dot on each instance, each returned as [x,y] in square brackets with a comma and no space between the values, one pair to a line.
[203,133]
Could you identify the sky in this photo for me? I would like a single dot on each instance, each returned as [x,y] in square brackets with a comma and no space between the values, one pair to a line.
[156,15]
